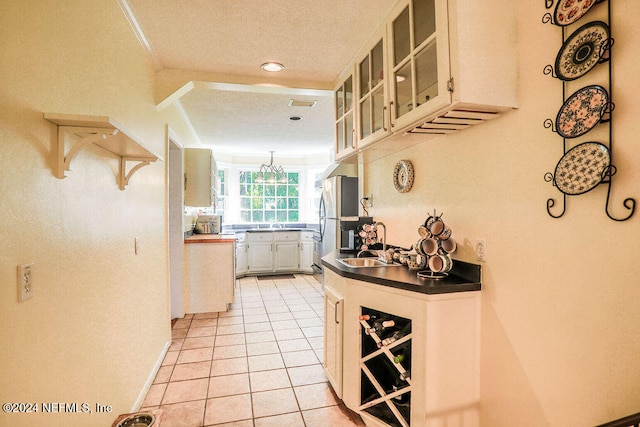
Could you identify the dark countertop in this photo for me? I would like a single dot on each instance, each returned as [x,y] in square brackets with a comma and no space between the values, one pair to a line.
[268,230]
[463,277]
[267,227]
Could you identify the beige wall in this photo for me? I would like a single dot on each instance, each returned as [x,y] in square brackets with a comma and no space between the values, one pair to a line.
[99,319]
[560,318]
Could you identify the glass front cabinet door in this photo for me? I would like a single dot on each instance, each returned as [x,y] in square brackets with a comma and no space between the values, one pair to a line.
[433,67]
[418,60]
[372,109]
[345,125]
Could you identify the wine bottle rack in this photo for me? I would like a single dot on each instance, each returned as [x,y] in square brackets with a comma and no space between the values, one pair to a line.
[385,368]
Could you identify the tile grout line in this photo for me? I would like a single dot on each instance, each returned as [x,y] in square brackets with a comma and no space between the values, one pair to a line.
[290,293]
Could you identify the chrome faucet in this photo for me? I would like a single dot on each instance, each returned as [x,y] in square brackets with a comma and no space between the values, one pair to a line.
[383,255]
[384,235]
[274,224]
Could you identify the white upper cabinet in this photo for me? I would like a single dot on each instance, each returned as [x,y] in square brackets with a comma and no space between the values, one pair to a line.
[459,62]
[201,178]
[345,117]
[419,60]
[434,67]
[373,117]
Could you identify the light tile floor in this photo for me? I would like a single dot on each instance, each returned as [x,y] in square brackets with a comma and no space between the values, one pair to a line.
[256,365]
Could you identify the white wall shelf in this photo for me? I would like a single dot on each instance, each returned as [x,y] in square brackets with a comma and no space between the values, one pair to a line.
[103,132]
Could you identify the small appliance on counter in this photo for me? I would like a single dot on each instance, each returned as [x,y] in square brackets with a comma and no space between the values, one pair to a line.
[208,224]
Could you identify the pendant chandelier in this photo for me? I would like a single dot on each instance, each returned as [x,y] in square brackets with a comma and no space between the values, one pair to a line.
[271,173]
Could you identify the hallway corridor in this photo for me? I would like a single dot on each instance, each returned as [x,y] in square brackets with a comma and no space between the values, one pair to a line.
[257,365]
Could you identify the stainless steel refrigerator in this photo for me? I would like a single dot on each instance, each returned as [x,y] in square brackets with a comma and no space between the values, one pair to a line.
[339,201]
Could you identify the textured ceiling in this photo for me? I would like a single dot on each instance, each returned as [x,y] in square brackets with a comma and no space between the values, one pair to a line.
[258,118]
[315,40]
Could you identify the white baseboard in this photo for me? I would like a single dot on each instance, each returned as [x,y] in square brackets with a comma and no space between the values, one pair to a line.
[152,376]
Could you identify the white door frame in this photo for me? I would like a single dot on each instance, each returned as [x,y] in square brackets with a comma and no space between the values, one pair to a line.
[175,219]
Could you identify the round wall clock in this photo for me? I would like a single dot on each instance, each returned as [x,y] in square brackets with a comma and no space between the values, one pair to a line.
[403,176]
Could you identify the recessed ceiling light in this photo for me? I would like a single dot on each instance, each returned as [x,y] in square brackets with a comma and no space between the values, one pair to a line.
[272,66]
[294,118]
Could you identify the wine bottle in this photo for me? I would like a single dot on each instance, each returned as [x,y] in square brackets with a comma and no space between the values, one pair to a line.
[402,399]
[396,335]
[368,317]
[404,376]
[403,359]
[380,325]
[399,384]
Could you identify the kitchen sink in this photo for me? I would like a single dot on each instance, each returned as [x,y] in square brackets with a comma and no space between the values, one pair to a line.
[364,262]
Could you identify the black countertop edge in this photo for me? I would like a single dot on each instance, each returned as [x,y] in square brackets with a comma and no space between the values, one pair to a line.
[464,276]
[190,233]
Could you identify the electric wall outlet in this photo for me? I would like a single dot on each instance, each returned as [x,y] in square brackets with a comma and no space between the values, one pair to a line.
[369,202]
[136,245]
[25,282]
[481,250]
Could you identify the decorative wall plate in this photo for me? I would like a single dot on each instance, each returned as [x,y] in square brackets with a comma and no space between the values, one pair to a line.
[582,111]
[582,50]
[569,11]
[403,176]
[582,168]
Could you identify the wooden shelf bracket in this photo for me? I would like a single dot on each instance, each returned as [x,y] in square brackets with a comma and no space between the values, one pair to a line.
[81,131]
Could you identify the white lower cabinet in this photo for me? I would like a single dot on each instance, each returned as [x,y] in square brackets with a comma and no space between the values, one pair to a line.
[427,374]
[242,258]
[285,257]
[333,320]
[260,257]
[306,251]
[278,252]
[306,257]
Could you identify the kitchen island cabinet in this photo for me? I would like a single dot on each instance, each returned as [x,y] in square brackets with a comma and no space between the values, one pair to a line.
[209,273]
[441,380]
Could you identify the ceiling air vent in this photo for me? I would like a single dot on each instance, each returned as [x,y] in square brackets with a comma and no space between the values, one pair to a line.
[298,103]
